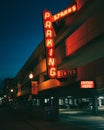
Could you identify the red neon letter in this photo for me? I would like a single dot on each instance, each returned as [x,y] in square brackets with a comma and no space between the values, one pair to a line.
[51,52]
[52,72]
[51,61]
[48,24]
[48,33]
[49,43]
[47,15]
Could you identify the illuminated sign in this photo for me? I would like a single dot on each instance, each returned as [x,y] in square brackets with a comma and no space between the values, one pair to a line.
[66,73]
[87,84]
[64,13]
[49,44]
[48,18]
[34,87]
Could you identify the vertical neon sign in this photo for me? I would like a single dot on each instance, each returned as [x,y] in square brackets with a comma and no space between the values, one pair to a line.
[49,44]
[48,18]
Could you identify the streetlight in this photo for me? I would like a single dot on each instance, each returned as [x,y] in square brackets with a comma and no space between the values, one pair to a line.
[11,90]
[30,97]
[31,75]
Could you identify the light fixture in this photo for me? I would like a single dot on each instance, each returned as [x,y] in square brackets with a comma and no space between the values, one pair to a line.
[31,75]
[11,90]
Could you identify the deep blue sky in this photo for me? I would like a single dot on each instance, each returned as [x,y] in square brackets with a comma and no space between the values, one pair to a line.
[21,30]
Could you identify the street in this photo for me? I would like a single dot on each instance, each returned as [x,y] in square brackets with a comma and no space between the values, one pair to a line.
[86,120]
[18,120]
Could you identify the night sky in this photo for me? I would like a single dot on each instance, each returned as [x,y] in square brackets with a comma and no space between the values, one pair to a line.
[21,30]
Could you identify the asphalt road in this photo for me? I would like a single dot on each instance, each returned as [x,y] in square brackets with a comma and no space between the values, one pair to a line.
[86,120]
[18,120]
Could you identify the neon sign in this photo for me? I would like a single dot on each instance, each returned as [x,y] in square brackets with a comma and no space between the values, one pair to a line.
[34,87]
[87,84]
[49,43]
[49,37]
[64,13]
[66,73]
